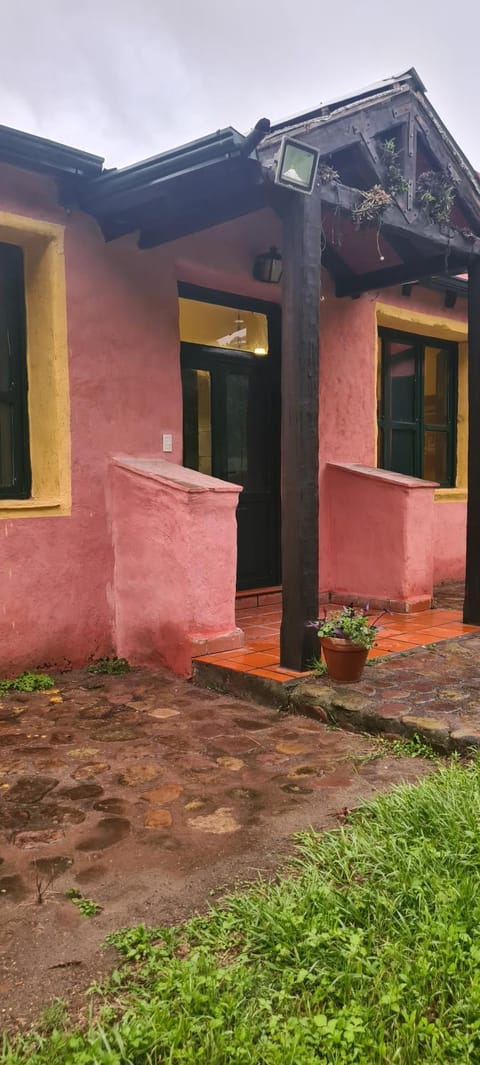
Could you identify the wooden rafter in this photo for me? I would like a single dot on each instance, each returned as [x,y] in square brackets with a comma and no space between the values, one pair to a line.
[397,275]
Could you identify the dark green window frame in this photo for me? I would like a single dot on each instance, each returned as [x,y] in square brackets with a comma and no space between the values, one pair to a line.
[416,426]
[15,472]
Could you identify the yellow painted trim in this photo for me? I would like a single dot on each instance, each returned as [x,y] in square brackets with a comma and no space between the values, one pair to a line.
[47,366]
[451,495]
[432,325]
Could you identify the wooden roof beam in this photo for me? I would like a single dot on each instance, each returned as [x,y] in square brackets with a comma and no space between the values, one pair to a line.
[397,275]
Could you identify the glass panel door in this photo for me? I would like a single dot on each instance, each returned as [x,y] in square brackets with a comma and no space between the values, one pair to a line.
[231,430]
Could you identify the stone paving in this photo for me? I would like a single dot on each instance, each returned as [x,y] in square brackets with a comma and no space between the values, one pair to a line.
[433,693]
[147,795]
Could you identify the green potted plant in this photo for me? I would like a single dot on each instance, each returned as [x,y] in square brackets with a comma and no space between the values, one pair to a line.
[346,637]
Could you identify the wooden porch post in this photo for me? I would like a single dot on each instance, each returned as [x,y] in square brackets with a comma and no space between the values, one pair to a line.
[471,609]
[300,403]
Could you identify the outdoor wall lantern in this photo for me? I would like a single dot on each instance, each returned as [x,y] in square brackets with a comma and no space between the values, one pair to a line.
[297,165]
[268,266]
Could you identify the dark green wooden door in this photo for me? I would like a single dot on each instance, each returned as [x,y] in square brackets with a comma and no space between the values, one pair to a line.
[231,430]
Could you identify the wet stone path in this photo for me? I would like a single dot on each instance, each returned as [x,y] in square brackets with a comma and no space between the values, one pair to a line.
[148,795]
[433,694]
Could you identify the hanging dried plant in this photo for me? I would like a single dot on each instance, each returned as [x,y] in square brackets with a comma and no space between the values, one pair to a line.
[435,196]
[371,207]
[327,174]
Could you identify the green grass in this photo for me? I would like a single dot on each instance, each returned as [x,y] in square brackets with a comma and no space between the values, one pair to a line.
[412,748]
[109,665]
[369,953]
[27,682]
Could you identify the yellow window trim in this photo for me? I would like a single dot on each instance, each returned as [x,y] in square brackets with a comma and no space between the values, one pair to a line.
[47,366]
[451,495]
[432,325]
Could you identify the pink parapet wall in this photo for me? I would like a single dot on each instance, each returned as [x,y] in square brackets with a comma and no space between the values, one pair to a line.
[381,532]
[175,556]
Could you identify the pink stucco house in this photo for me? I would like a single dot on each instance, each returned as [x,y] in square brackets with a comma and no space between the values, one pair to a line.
[174,428]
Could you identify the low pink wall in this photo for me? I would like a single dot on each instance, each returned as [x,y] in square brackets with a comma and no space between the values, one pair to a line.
[380,535]
[175,552]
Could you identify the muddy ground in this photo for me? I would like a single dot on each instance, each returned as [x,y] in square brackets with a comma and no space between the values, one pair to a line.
[150,797]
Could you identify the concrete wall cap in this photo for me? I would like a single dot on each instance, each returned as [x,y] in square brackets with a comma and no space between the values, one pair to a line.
[171,473]
[401,480]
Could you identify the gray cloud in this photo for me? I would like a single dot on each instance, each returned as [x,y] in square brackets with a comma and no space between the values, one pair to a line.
[126,79]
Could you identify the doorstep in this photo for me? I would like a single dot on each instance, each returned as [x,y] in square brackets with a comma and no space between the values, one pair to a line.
[258,597]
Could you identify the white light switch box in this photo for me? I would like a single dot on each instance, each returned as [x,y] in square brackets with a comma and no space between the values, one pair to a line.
[167,442]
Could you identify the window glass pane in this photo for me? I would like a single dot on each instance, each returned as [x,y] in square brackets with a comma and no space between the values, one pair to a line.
[380,446]
[236,436]
[5,371]
[435,386]
[435,457]
[401,368]
[380,407]
[223,327]
[6,445]
[403,452]
[197,420]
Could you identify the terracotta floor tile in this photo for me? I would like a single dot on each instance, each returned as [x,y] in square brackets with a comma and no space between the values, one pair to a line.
[398,645]
[223,662]
[260,632]
[442,617]
[271,674]
[415,636]
[444,631]
[265,645]
[264,659]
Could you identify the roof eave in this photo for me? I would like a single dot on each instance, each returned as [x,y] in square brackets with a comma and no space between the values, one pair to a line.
[30,152]
[194,156]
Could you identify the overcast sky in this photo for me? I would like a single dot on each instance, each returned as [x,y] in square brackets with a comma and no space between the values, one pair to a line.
[129,78]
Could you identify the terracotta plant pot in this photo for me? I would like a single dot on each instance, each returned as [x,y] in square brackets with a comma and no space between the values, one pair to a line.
[345,660]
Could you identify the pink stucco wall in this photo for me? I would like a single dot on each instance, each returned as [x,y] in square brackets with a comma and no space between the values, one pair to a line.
[347,402]
[57,597]
[57,574]
[449,541]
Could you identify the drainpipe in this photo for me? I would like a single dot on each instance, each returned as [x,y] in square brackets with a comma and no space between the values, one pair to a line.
[252,140]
